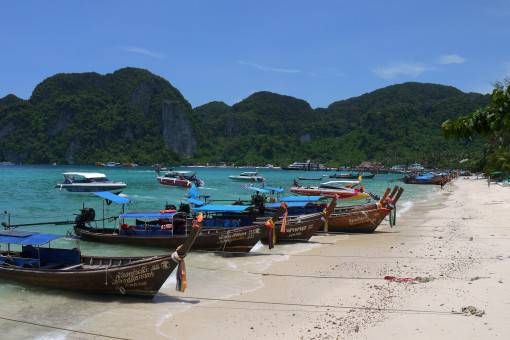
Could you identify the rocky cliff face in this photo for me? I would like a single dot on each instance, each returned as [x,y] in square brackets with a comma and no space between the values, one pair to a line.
[130,115]
[177,130]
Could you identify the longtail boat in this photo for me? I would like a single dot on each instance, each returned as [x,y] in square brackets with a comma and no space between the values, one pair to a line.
[292,226]
[364,218]
[68,269]
[427,178]
[341,189]
[280,225]
[167,229]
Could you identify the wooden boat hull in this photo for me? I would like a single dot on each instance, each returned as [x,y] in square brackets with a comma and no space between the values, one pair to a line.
[124,276]
[240,239]
[357,221]
[433,181]
[298,228]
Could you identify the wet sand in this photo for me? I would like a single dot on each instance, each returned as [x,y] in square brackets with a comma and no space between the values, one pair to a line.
[457,242]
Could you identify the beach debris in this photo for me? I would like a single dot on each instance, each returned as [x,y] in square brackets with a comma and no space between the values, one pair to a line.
[478,278]
[472,310]
[418,279]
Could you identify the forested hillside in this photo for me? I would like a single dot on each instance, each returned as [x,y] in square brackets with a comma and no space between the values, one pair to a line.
[133,115]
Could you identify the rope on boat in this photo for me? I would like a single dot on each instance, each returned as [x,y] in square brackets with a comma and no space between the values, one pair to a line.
[62,328]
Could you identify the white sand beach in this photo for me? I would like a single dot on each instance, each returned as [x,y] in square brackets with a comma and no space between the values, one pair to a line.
[457,242]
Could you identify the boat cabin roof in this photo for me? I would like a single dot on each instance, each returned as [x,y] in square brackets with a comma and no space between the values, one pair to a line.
[85,174]
[248,173]
[112,197]
[218,208]
[148,214]
[307,199]
[26,237]
[276,205]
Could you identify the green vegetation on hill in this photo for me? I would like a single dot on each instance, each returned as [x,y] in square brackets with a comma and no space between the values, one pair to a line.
[87,117]
[134,115]
[396,124]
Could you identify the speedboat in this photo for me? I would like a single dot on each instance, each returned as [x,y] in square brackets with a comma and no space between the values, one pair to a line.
[183,179]
[248,176]
[342,189]
[89,182]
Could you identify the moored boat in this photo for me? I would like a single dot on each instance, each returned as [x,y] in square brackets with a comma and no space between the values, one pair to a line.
[183,179]
[342,189]
[89,182]
[248,176]
[364,218]
[68,269]
[426,178]
[167,229]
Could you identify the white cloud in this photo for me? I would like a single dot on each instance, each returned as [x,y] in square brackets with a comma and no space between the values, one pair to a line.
[402,69]
[143,51]
[451,59]
[268,68]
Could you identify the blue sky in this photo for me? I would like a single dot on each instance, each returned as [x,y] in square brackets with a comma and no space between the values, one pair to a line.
[320,51]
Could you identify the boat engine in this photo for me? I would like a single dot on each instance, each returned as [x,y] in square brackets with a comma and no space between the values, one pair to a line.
[85,216]
[258,201]
[185,208]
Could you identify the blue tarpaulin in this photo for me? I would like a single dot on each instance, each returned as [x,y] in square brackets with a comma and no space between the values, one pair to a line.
[26,238]
[195,201]
[289,204]
[193,192]
[301,199]
[147,214]
[112,197]
[221,208]
[261,190]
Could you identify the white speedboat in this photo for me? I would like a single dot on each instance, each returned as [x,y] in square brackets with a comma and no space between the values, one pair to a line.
[89,182]
[247,176]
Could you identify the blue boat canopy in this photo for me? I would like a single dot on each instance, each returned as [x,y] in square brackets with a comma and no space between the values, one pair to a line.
[261,190]
[193,192]
[147,214]
[301,199]
[26,237]
[426,176]
[275,205]
[221,208]
[195,201]
[112,197]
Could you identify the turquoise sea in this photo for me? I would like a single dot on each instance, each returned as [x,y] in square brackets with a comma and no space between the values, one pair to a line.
[28,195]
